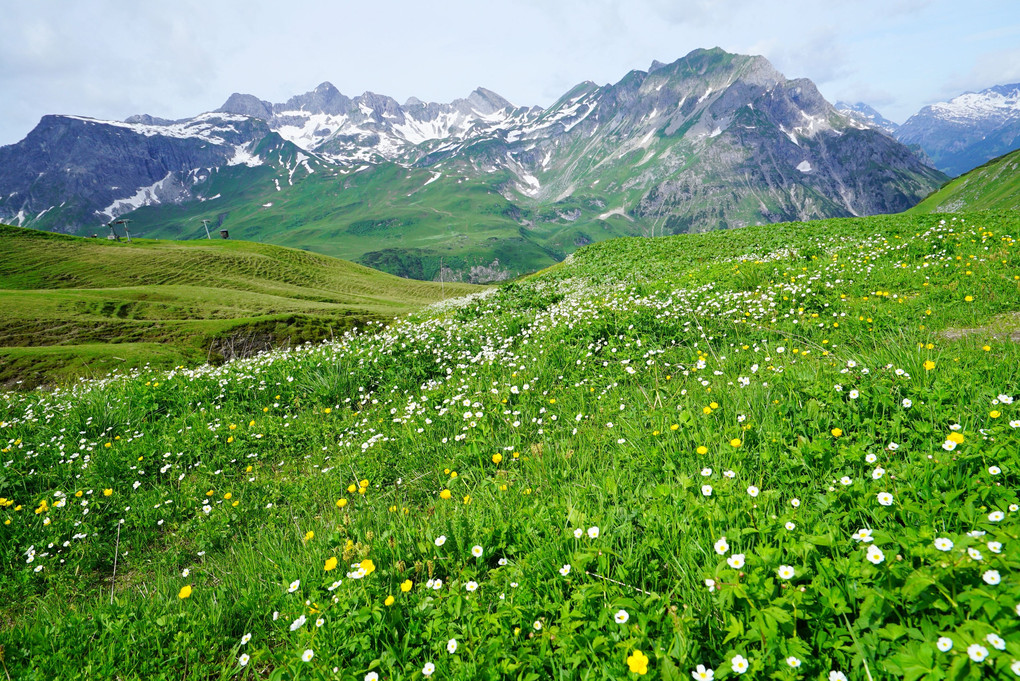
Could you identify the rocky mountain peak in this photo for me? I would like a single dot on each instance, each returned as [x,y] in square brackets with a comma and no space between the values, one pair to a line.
[247,105]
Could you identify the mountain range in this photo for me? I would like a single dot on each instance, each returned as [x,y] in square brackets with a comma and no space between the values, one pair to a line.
[477,189]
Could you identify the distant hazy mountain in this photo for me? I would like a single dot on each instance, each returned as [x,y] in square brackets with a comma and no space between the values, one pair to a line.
[967,130]
[478,185]
[867,114]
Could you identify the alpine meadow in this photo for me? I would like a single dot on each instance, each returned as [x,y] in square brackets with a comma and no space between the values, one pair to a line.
[785,451]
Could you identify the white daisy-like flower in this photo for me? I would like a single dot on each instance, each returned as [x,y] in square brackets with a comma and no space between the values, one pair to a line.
[471,586]
[307,655]
[736,561]
[884,498]
[944,544]
[476,551]
[243,660]
[995,546]
[706,472]
[977,652]
[846,480]
[793,661]
[706,490]
[245,638]
[593,532]
[578,533]
[722,546]
[892,446]
[710,583]
[836,675]
[974,554]
[991,577]
[795,502]
[451,646]
[298,623]
[565,570]
[372,676]
[1015,667]
[870,458]
[996,641]
[502,561]
[877,473]
[739,664]
[996,516]
[703,674]
[949,445]
[294,586]
[752,491]
[994,470]
[429,669]
[786,572]
[944,644]
[729,474]
[862,535]
[790,527]
[621,616]
[537,625]
[875,555]
[907,404]
[440,540]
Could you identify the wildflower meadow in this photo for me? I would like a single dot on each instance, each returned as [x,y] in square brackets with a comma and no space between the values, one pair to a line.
[780,452]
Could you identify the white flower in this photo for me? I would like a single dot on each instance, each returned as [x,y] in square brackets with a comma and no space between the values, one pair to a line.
[451,646]
[706,490]
[319,622]
[974,554]
[885,498]
[185,572]
[790,527]
[835,675]
[996,641]
[994,470]
[949,445]
[870,458]
[786,572]
[1016,663]
[593,532]
[705,472]
[245,638]
[996,516]
[945,644]
[440,540]
[892,447]
[702,674]
[372,676]
[578,533]
[854,394]
[877,473]
[907,404]
[243,660]
[298,623]
[944,544]
[308,655]
[722,546]
[294,586]
[793,662]
[471,587]
[502,561]
[537,625]
[739,664]
[476,551]
[428,669]
[795,502]
[991,577]
[995,546]
[565,570]
[752,490]
[621,616]
[736,561]
[710,583]
[862,535]
[977,652]
[845,480]
[729,474]
[437,585]
[875,554]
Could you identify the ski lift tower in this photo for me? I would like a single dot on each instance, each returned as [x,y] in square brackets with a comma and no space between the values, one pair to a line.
[112,236]
[125,223]
[205,223]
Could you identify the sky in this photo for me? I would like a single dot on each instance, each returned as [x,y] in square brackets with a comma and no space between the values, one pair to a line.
[110,59]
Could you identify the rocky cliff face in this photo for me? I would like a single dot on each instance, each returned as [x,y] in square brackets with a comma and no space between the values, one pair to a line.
[968,130]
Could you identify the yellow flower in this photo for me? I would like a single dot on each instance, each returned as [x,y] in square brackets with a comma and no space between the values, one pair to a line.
[352,488]
[956,437]
[363,483]
[340,503]
[390,600]
[497,458]
[453,474]
[969,299]
[233,426]
[674,426]
[330,564]
[209,493]
[994,413]
[836,432]
[185,592]
[714,405]
[986,348]
[445,494]
[327,410]
[107,492]
[702,449]
[368,566]
[638,662]
[706,410]
[230,439]
[251,423]
[227,495]
[467,498]
[406,585]
[735,442]
[929,365]
[309,535]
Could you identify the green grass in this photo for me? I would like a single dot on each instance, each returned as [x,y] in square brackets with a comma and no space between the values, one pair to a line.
[287,516]
[73,307]
[993,186]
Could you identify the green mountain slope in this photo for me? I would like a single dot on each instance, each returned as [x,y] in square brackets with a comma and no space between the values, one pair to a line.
[71,306]
[791,450]
[992,186]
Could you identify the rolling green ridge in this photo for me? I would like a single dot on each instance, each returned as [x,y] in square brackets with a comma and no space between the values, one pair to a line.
[72,307]
[992,186]
[788,451]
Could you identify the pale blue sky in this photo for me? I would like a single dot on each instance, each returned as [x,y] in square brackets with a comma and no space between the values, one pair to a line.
[178,58]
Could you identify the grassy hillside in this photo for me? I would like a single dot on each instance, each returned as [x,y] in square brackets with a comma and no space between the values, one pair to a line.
[80,307]
[789,450]
[992,186]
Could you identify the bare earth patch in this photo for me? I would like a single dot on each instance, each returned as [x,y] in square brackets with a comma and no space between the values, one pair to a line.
[1005,326]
